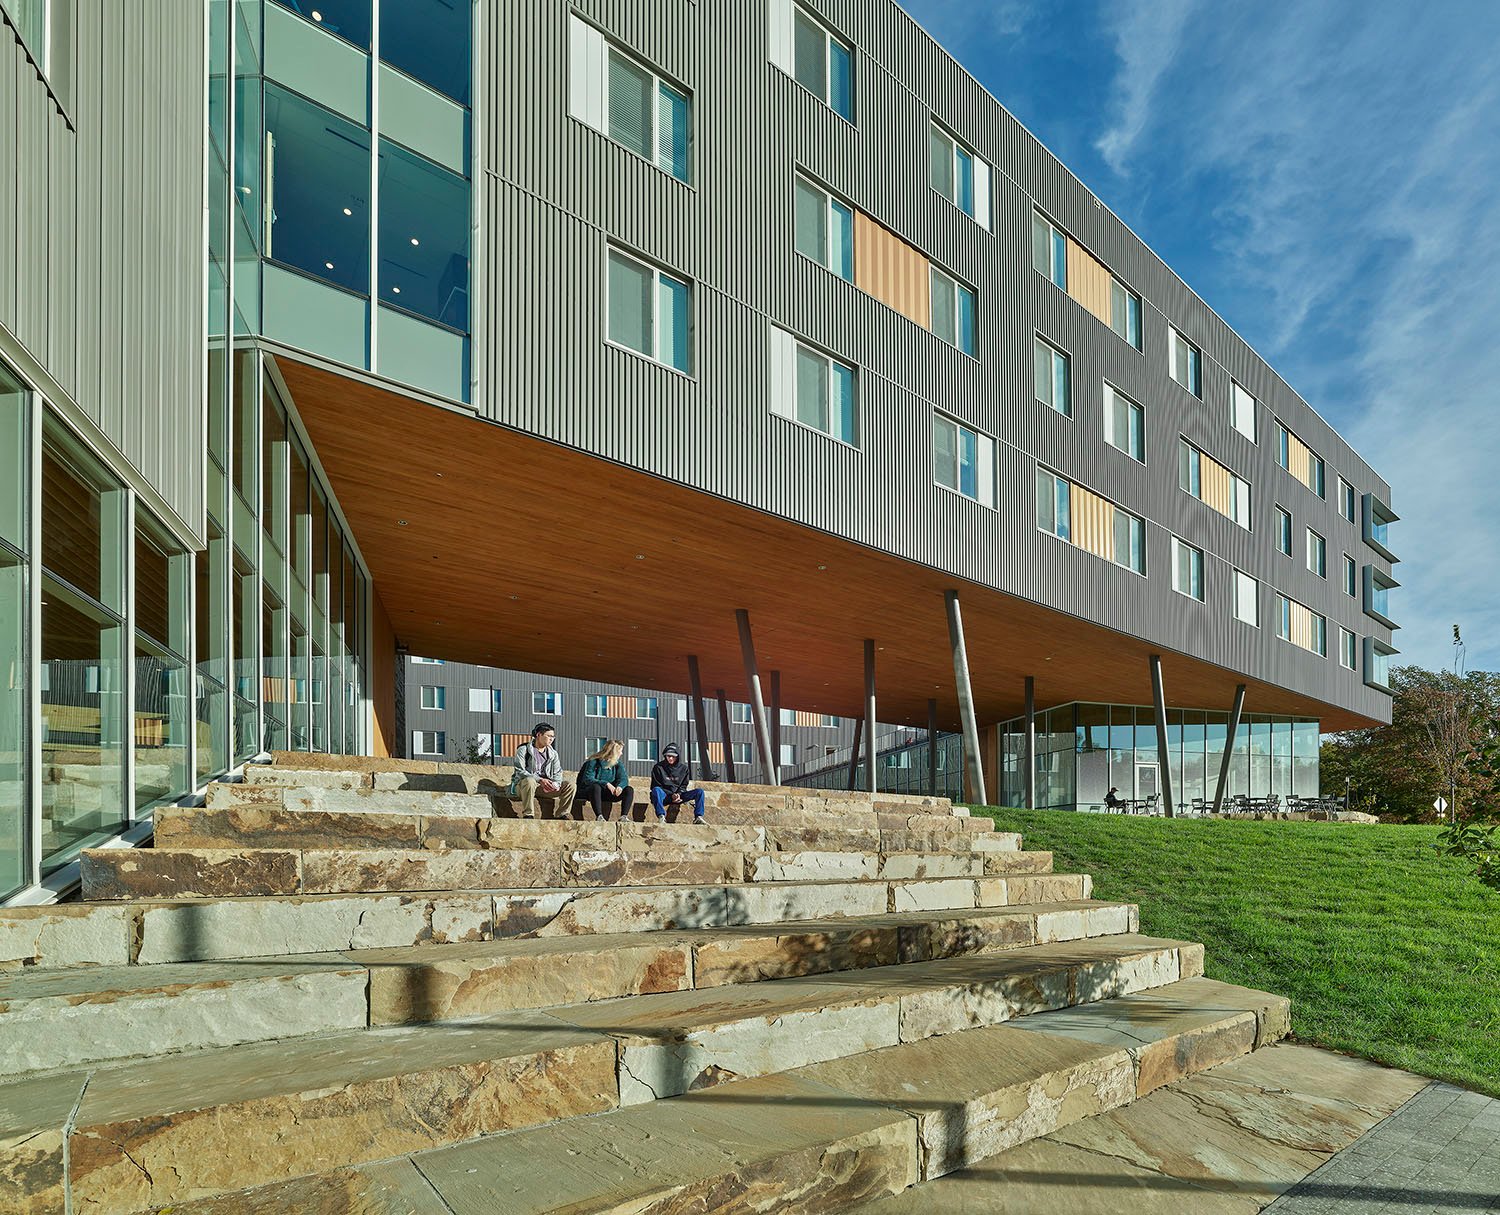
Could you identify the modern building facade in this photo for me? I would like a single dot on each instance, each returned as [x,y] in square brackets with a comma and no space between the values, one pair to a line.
[460,711]
[601,337]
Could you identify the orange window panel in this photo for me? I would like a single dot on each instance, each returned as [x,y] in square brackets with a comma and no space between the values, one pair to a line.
[1093,521]
[1088,280]
[886,267]
[619,706]
[1217,490]
[512,743]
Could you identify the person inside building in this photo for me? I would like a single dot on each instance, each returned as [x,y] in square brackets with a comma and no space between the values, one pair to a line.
[538,775]
[671,779]
[603,782]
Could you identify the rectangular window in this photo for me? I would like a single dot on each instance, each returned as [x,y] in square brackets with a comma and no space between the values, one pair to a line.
[484,700]
[1054,385]
[1378,588]
[1049,249]
[1186,362]
[788,755]
[642,750]
[953,309]
[789,717]
[739,713]
[1125,312]
[823,64]
[1240,494]
[1351,576]
[645,707]
[1124,424]
[1301,626]
[547,702]
[828,721]
[650,311]
[434,698]
[1378,664]
[824,228]
[1300,460]
[1242,412]
[1347,649]
[1189,469]
[959,175]
[1246,599]
[593,746]
[429,742]
[647,115]
[1346,500]
[1187,570]
[1317,554]
[825,395]
[1130,541]
[963,460]
[429,662]
[741,753]
[595,706]
[1284,531]
[1053,504]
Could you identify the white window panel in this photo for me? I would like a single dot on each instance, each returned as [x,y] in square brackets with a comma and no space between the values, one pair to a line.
[1187,569]
[596,706]
[547,702]
[1246,598]
[804,48]
[1242,412]
[1124,424]
[642,750]
[742,753]
[1054,377]
[429,742]
[1240,500]
[650,311]
[1053,504]
[1130,541]
[1347,498]
[959,175]
[788,755]
[1284,531]
[434,697]
[1351,576]
[963,460]
[813,388]
[484,700]
[645,707]
[739,713]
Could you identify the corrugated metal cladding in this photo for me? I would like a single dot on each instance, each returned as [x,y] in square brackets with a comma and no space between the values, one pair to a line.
[555,192]
[101,230]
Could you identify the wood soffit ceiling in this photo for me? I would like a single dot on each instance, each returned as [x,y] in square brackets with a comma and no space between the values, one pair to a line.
[643,572]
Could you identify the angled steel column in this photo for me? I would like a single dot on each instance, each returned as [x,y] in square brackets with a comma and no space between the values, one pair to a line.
[757,700]
[859,729]
[728,740]
[1030,742]
[1163,755]
[870,713]
[700,718]
[1234,728]
[965,698]
[932,746]
[776,716]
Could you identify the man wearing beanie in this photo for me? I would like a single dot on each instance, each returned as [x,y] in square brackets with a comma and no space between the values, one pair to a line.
[670,779]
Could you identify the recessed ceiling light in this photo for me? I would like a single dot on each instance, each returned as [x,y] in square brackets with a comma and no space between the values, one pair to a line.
[347,211]
[640,556]
[317,16]
[328,265]
[395,290]
[402,522]
[415,241]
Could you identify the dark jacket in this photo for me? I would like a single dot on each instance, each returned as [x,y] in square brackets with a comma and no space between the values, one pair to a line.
[674,778]
[597,772]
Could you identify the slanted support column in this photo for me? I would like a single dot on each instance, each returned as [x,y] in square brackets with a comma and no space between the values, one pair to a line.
[776,716]
[700,718]
[1163,755]
[859,729]
[1030,727]
[757,700]
[728,738]
[965,699]
[1234,728]
[870,783]
[932,746]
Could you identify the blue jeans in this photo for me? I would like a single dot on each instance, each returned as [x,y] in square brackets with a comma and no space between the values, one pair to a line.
[659,800]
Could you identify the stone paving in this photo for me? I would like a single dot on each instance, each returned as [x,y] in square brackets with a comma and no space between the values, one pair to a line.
[1439,1153]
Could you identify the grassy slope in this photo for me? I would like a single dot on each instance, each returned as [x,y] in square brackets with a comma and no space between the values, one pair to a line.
[1386,949]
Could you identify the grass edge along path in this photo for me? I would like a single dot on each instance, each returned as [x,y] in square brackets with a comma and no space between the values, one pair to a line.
[1385,948]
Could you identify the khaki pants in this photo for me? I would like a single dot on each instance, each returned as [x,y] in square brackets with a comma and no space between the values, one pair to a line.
[562,800]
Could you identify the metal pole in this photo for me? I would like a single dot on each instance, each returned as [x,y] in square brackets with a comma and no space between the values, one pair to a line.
[1030,728]
[776,716]
[965,698]
[1234,728]
[1163,756]
[757,700]
[728,741]
[870,714]
[700,719]
[859,729]
[932,747]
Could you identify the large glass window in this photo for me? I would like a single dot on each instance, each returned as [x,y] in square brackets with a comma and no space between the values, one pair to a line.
[1187,569]
[1130,540]
[1124,424]
[424,238]
[825,395]
[1284,531]
[648,115]
[963,459]
[429,40]
[15,601]
[824,65]
[650,311]
[824,229]
[1317,554]
[1186,362]
[1049,249]
[1053,504]
[318,180]
[211,637]
[1125,312]
[162,690]
[1054,385]
[349,19]
[953,171]
[953,308]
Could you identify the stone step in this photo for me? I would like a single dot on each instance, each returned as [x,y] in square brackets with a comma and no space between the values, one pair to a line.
[51,1019]
[190,930]
[815,1138]
[275,826]
[188,873]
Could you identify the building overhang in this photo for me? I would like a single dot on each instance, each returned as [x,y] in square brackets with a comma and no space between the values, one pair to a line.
[496,547]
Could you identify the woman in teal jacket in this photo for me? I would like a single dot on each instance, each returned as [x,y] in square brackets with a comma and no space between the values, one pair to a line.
[603,781]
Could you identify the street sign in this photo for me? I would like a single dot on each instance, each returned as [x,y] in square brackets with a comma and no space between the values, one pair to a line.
[1441,805]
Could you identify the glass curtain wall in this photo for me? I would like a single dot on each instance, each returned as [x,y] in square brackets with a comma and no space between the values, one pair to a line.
[163,697]
[15,628]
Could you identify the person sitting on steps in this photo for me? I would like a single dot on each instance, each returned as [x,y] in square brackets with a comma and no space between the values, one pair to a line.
[538,775]
[670,781]
[603,781]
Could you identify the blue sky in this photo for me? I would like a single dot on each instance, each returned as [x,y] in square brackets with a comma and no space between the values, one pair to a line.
[1326,175]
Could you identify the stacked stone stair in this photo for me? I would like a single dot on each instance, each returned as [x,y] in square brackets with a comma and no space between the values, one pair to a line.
[807,1009]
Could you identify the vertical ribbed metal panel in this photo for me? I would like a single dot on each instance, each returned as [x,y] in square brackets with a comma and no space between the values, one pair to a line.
[11,183]
[557,192]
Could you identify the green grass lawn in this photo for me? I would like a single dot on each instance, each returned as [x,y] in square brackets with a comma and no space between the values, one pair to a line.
[1386,949]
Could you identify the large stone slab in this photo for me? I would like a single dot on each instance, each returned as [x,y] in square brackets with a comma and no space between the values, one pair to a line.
[238,827]
[302,778]
[34,1116]
[196,1125]
[960,935]
[660,865]
[450,869]
[1006,863]
[941,894]
[356,800]
[68,1018]
[579,912]
[813,866]
[188,873]
[649,837]
[752,957]
[773,902]
[980,1093]
[1048,888]
[392,1187]
[64,934]
[840,838]
[516,833]
[413,986]
[247,928]
[905,866]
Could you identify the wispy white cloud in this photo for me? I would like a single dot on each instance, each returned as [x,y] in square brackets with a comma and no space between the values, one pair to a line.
[955,23]
[1147,40]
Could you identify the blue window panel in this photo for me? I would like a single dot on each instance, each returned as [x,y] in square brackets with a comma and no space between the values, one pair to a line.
[1064,510]
[963,182]
[424,238]
[966,308]
[349,19]
[430,41]
[674,136]
[842,404]
[1059,259]
[968,463]
[841,79]
[841,240]
[675,308]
